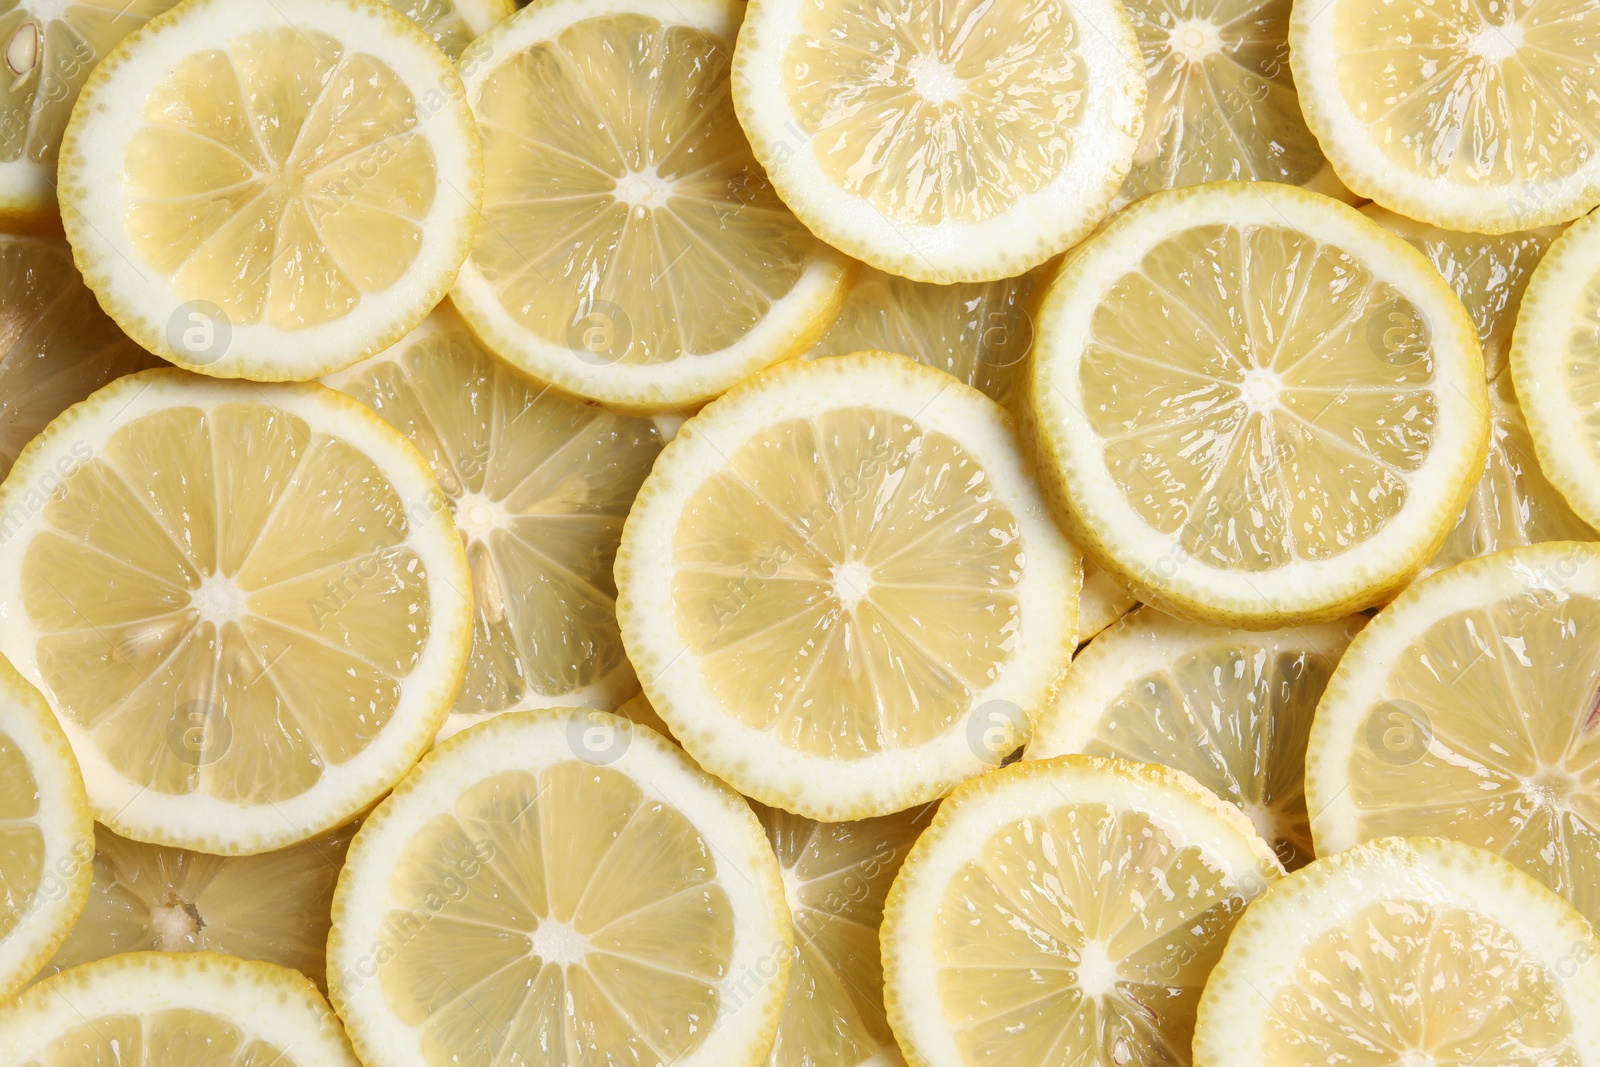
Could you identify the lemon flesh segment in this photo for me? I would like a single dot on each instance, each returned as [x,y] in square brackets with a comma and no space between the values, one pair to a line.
[148,1008]
[841,589]
[49,49]
[1257,406]
[1555,363]
[650,267]
[539,485]
[46,833]
[274,907]
[1404,951]
[454,24]
[1230,708]
[291,618]
[979,332]
[1471,116]
[1221,102]
[836,876]
[56,345]
[1065,911]
[287,199]
[1467,710]
[610,903]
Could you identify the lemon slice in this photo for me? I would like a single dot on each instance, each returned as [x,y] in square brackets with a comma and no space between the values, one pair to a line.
[539,485]
[56,345]
[273,907]
[148,1008]
[1467,709]
[271,191]
[1256,405]
[942,145]
[1065,911]
[1221,101]
[544,884]
[1555,361]
[841,588]
[836,876]
[1230,708]
[1468,116]
[1404,952]
[246,604]
[980,332]
[1103,601]
[46,834]
[640,261]
[454,24]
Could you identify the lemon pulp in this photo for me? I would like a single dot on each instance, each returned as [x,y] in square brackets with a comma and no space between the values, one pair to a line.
[22,846]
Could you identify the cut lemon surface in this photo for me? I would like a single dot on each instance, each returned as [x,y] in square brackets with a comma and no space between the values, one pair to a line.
[836,876]
[1255,405]
[1103,601]
[1404,951]
[46,833]
[1065,911]
[147,1009]
[539,485]
[271,189]
[943,143]
[1467,709]
[548,887]
[644,262]
[1466,115]
[56,345]
[980,332]
[1230,708]
[246,604]
[454,24]
[841,588]
[1555,362]
[1513,503]
[150,898]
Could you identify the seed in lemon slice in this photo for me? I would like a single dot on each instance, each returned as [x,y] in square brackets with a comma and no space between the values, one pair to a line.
[1256,405]
[631,250]
[147,1008]
[836,876]
[246,604]
[46,833]
[1470,116]
[1555,361]
[454,24]
[1065,911]
[1467,709]
[841,588]
[56,345]
[271,189]
[1404,952]
[1230,708]
[539,485]
[273,907]
[526,892]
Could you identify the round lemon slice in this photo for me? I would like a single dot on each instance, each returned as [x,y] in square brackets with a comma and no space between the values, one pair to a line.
[1555,361]
[46,833]
[1065,911]
[149,1008]
[1471,117]
[1230,708]
[274,907]
[454,24]
[841,588]
[57,347]
[836,876]
[271,190]
[1256,405]
[1404,951]
[539,485]
[247,605]
[631,251]
[942,145]
[1467,709]
[549,884]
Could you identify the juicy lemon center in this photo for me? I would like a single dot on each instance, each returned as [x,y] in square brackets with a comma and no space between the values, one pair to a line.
[1495,44]
[645,188]
[1097,971]
[559,943]
[935,80]
[1195,40]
